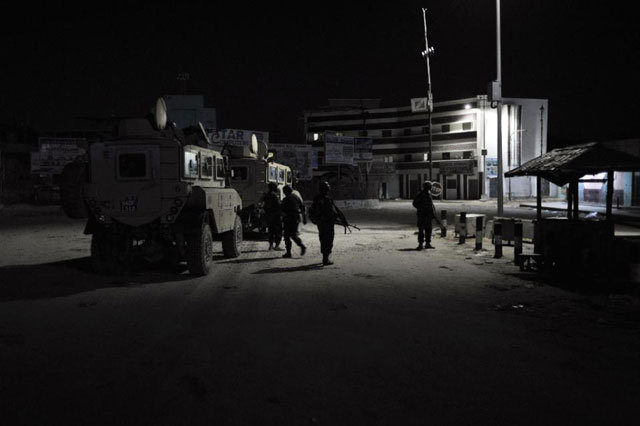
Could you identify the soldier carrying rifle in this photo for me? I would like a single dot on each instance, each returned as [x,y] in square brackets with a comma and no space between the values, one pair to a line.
[324,213]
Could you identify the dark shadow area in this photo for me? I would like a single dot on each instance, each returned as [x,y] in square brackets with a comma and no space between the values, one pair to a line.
[409,249]
[256,236]
[75,276]
[259,259]
[578,283]
[311,267]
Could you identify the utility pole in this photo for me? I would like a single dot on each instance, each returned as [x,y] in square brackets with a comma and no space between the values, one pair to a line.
[499,111]
[541,128]
[428,51]
[538,178]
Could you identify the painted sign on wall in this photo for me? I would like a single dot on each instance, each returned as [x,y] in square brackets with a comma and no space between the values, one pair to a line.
[363,149]
[236,137]
[54,153]
[298,157]
[338,149]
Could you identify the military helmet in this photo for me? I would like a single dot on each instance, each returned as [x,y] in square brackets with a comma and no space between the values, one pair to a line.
[272,186]
[287,189]
[324,187]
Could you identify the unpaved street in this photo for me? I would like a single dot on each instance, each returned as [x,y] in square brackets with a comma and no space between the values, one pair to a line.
[387,336]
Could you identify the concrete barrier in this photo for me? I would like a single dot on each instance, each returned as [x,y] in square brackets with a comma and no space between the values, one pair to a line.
[358,204]
[471,223]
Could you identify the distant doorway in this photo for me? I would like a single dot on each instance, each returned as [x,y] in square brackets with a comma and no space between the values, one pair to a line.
[451,188]
[493,187]
[473,189]
[413,188]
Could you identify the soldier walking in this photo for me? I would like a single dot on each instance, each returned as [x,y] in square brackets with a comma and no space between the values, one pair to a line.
[322,212]
[273,215]
[293,214]
[426,212]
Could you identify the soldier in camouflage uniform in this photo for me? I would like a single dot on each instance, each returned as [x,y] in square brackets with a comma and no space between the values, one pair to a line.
[293,214]
[273,215]
[322,212]
[426,212]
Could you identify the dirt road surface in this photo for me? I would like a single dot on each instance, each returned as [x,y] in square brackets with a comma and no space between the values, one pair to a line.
[386,336]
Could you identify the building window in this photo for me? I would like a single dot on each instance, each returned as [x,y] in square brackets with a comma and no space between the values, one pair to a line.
[446,156]
[425,156]
[407,157]
[363,133]
[446,128]
[466,126]
[388,159]
[386,133]
[407,132]
[425,130]
[467,154]
[452,183]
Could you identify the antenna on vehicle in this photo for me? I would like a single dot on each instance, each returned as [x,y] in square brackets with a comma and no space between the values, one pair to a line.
[204,133]
[160,114]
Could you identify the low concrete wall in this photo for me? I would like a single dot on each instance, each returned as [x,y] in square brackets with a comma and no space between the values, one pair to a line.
[358,204]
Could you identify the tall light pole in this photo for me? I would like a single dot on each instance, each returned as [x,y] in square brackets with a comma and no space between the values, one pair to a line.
[499,110]
[428,51]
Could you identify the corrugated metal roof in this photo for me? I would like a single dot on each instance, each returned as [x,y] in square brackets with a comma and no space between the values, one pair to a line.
[563,165]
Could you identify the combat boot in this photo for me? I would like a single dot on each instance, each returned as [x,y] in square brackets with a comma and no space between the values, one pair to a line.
[287,255]
[419,247]
[303,250]
[326,261]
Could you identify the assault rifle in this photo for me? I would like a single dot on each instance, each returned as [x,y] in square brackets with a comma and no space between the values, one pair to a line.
[341,220]
[439,223]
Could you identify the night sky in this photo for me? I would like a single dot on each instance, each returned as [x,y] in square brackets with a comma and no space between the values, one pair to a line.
[261,66]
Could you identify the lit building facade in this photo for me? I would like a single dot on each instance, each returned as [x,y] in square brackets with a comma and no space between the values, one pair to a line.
[464,144]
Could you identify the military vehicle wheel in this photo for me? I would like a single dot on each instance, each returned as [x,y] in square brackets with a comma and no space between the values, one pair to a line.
[103,259]
[199,252]
[231,240]
[71,182]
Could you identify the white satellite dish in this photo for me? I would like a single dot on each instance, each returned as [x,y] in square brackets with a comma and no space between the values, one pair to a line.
[161,113]
[254,143]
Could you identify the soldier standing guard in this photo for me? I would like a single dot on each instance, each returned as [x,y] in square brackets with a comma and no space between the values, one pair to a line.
[426,212]
[322,212]
[273,215]
[292,211]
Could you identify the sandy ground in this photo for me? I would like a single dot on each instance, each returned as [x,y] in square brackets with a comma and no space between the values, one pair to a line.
[387,335]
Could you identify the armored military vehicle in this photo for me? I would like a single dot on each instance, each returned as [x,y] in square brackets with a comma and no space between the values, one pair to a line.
[251,172]
[156,191]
